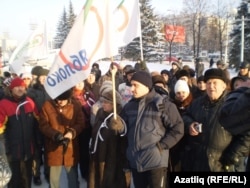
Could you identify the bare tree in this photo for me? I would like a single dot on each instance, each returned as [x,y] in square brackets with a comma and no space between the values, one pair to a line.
[222,16]
[196,10]
[173,21]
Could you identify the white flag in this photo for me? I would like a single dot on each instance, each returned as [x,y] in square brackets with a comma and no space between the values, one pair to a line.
[92,37]
[128,21]
[33,48]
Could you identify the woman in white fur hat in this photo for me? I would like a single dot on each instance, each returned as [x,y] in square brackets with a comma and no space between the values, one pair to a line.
[183,98]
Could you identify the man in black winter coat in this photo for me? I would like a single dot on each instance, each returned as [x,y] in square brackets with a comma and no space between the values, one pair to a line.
[211,148]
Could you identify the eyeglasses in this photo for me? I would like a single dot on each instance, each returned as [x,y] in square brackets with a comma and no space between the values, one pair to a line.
[26,78]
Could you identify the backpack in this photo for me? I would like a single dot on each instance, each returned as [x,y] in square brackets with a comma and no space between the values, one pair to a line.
[161,107]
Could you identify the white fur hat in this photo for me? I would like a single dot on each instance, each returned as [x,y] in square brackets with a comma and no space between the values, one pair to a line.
[181,85]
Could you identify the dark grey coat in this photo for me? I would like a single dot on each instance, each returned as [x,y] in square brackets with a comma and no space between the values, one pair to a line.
[154,126]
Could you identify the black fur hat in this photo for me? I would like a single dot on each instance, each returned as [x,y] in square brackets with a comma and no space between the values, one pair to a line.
[215,73]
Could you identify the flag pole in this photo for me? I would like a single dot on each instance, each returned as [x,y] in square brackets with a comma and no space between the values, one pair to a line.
[141,48]
[139,12]
[113,72]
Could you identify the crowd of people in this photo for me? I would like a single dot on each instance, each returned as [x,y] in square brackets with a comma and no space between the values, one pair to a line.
[176,120]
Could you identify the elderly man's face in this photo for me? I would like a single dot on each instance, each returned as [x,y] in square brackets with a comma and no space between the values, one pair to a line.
[215,88]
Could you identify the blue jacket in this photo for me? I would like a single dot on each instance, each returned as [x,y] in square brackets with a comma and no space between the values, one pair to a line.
[154,126]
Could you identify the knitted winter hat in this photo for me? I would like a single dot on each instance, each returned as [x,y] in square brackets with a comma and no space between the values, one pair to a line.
[215,73]
[106,84]
[16,82]
[144,78]
[181,85]
[107,95]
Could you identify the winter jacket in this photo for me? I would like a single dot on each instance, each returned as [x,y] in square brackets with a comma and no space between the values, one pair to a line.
[18,122]
[154,126]
[54,119]
[211,149]
[235,115]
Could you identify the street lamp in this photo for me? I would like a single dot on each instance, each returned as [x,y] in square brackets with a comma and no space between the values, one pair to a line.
[242,38]
[243,34]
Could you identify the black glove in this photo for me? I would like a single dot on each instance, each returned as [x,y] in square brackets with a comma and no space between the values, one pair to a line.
[65,143]
[61,141]
[58,137]
[116,124]
[229,159]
